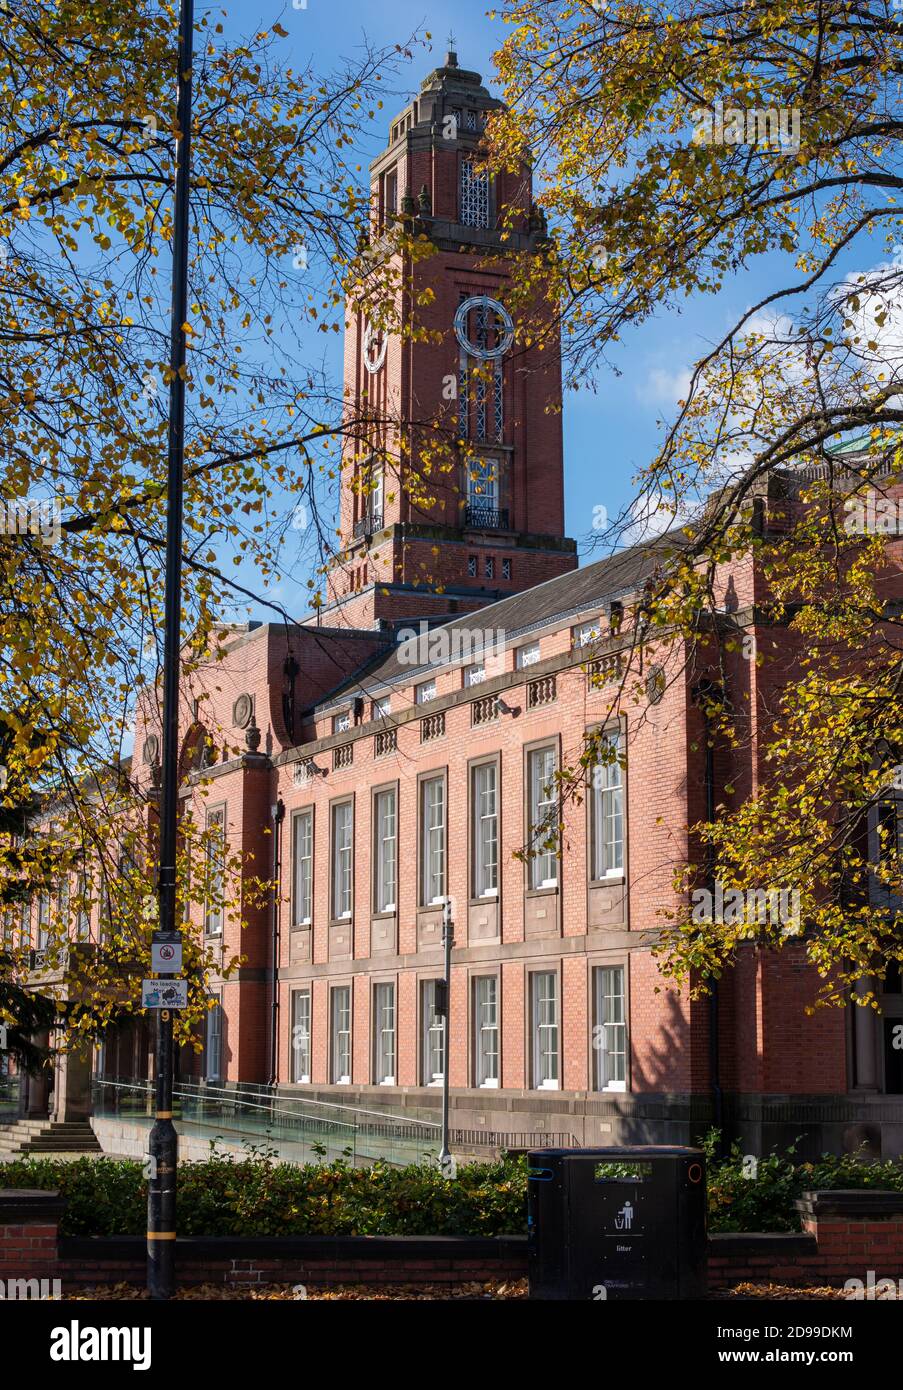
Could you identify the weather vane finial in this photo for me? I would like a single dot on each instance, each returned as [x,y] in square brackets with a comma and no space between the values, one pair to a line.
[451,42]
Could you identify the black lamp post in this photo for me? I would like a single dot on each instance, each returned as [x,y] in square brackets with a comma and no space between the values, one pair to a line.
[448,941]
[163,1141]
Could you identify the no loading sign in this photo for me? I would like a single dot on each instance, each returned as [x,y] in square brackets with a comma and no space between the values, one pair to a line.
[164,994]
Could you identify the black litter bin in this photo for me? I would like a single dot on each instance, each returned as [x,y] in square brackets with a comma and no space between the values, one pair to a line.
[617,1223]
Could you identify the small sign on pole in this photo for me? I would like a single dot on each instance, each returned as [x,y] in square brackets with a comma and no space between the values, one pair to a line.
[166,957]
[164,994]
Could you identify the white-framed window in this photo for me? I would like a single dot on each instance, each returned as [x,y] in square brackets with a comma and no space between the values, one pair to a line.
[215,871]
[542,792]
[385,858]
[424,692]
[105,911]
[43,920]
[483,483]
[486,1030]
[432,1036]
[475,674]
[528,655]
[544,1014]
[83,895]
[485,829]
[384,1034]
[607,813]
[62,904]
[382,707]
[213,1041]
[340,1011]
[341,723]
[302,867]
[889,822]
[341,859]
[610,1029]
[301,1035]
[432,839]
[474,194]
[390,188]
[376,498]
[585,634]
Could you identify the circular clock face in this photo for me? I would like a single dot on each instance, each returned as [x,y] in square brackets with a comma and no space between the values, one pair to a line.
[375,344]
[504,331]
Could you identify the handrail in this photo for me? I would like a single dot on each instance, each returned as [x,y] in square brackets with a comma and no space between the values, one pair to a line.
[336,1105]
[184,1094]
[387,1119]
[214,1093]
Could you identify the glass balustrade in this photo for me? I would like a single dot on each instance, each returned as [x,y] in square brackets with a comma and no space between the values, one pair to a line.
[299,1129]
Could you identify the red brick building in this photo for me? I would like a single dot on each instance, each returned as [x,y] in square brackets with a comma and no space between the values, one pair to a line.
[382,773]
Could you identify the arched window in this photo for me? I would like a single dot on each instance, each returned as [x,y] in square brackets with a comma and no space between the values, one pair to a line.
[198,752]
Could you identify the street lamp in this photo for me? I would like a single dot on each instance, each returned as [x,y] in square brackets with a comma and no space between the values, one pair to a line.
[163,1140]
[446,1162]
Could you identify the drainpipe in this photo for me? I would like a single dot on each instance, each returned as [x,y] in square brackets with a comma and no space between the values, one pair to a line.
[278,816]
[704,693]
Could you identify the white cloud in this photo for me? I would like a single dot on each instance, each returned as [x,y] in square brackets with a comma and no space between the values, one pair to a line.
[662,387]
[783,343]
[652,514]
[874,307]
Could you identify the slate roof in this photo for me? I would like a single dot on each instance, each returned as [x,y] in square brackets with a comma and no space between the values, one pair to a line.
[543,605]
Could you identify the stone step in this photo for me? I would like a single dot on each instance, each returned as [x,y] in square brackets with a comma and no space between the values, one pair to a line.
[65,1132]
[38,1126]
[48,1141]
[21,1135]
[57,1136]
[39,1148]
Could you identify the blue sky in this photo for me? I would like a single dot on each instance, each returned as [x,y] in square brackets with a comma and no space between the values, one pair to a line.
[612,431]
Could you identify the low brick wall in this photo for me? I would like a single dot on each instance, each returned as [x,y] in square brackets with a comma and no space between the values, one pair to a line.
[300,1259]
[28,1234]
[845,1236]
[855,1232]
[762,1257]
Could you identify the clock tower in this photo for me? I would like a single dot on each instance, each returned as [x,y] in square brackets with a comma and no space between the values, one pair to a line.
[452,490]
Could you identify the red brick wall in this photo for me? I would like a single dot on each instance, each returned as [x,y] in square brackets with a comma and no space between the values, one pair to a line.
[845,1236]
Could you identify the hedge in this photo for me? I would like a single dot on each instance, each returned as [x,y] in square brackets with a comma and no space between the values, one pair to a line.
[761,1195]
[221,1196]
[224,1195]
